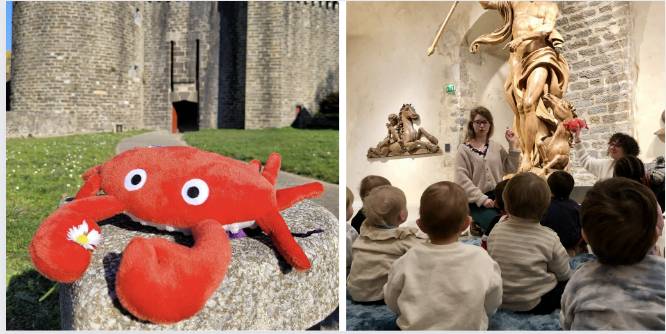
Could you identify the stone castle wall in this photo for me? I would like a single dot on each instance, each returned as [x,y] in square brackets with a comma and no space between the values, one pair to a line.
[292,58]
[174,29]
[310,63]
[8,65]
[157,61]
[78,60]
[111,62]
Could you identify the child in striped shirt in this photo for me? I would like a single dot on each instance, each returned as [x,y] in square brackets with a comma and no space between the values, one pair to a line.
[533,262]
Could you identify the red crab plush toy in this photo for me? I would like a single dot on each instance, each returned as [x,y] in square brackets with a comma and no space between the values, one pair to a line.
[575,124]
[184,187]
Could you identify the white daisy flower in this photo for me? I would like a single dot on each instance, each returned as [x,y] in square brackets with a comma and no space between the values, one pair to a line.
[81,236]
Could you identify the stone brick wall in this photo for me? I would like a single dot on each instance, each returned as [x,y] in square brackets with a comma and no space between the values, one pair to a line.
[78,58]
[310,61]
[120,62]
[263,65]
[8,65]
[292,58]
[157,62]
[597,46]
[24,124]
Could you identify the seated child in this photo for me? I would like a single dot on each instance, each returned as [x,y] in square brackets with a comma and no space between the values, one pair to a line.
[444,284]
[633,168]
[534,264]
[380,243]
[499,203]
[562,214]
[368,183]
[623,289]
[351,232]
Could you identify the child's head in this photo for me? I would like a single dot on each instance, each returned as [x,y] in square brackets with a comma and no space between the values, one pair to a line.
[385,206]
[499,190]
[526,196]
[350,200]
[369,182]
[561,184]
[619,220]
[630,167]
[444,210]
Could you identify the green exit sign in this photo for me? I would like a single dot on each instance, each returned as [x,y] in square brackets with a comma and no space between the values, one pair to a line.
[450,89]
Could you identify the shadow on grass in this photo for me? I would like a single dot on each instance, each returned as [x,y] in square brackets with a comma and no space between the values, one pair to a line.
[24,310]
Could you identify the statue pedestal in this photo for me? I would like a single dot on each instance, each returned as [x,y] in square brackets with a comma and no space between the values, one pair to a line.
[578,193]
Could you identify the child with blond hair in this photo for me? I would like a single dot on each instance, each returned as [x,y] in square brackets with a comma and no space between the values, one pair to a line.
[534,264]
[444,284]
[351,232]
[380,243]
[623,289]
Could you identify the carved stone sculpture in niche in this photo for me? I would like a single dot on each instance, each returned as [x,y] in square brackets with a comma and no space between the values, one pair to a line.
[402,138]
[537,69]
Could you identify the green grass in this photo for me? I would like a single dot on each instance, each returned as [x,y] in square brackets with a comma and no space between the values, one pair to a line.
[311,153]
[40,172]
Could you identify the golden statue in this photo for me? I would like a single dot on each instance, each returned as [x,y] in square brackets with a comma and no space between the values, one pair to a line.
[537,69]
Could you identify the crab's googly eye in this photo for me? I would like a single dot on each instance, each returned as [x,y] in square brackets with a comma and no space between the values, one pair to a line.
[195,192]
[135,179]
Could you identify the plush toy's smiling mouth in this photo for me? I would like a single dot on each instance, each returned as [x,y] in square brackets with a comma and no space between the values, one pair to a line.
[233,228]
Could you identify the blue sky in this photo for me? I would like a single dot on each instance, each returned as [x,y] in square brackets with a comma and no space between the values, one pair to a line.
[9,25]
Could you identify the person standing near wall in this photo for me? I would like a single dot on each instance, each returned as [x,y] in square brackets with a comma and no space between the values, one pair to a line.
[481,164]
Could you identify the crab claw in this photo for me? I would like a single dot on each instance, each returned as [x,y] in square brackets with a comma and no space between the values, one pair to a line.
[52,251]
[164,282]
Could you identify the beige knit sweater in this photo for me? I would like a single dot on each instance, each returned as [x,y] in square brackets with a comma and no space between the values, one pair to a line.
[374,252]
[531,258]
[479,175]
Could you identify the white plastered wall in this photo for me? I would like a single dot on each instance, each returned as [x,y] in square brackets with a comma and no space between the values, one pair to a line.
[647,51]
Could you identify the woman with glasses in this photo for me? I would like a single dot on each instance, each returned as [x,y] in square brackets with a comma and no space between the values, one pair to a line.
[619,145]
[480,164]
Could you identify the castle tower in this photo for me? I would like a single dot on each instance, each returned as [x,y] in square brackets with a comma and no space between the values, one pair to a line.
[82,61]
[176,66]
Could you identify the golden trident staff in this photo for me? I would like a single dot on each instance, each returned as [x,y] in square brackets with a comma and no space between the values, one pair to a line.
[431,49]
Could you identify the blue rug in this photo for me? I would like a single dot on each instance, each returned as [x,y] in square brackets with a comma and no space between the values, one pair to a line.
[380,318]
